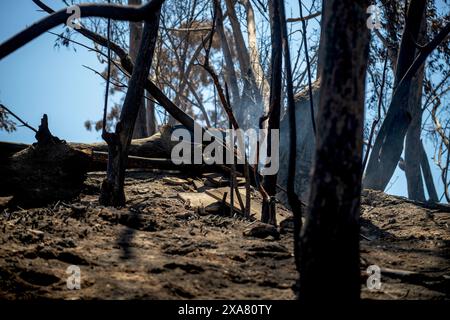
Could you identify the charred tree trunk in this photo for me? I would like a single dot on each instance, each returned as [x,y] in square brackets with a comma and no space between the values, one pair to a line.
[112,193]
[428,177]
[268,214]
[49,170]
[412,156]
[293,198]
[388,145]
[330,238]
[140,128]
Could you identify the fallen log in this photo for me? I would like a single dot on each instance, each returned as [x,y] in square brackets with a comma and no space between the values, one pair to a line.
[39,175]
[48,170]
[52,169]
[157,146]
[148,153]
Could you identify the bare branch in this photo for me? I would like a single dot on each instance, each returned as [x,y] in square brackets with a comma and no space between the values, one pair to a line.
[18,118]
[302,19]
[105,134]
[424,53]
[188,29]
[112,11]
[378,118]
[308,66]
[294,201]
[116,84]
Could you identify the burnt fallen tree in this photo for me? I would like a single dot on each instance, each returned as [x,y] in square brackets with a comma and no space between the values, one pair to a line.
[48,170]
[52,169]
[158,145]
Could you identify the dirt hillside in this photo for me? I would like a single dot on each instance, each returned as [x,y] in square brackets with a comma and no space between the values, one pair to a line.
[159,247]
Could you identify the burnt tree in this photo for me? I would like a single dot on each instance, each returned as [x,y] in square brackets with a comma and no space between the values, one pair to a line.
[388,144]
[329,252]
[293,199]
[268,214]
[112,192]
[412,141]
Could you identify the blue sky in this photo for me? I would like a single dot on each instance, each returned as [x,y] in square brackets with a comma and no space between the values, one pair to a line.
[39,78]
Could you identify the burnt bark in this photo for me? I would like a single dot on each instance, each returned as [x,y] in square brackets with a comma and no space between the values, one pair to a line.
[428,177]
[268,214]
[413,160]
[293,198]
[49,170]
[412,141]
[329,252]
[112,193]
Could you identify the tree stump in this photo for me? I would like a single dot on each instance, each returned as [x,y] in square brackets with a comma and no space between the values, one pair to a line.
[49,170]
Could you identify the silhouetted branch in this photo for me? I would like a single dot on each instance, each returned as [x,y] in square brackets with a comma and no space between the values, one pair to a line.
[18,118]
[308,67]
[302,19]
[108,77]
[294,201]
[111,11]
[423,54]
